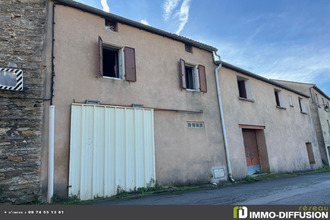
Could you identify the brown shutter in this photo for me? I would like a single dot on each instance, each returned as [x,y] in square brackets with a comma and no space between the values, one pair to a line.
[130,67]
[100,57]
[202,78]
[183,74]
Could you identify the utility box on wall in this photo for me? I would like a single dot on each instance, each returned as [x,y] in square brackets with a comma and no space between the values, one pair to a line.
[218,174]
[11,79]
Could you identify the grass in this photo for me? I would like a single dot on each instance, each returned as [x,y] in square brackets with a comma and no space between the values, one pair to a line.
[157,189]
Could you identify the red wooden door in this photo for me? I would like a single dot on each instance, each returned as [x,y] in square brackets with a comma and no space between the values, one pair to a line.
[251,148]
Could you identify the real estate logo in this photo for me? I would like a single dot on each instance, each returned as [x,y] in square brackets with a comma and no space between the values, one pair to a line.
[240,211]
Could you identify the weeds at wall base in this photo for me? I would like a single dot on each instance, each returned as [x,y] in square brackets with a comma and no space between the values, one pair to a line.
[157,189]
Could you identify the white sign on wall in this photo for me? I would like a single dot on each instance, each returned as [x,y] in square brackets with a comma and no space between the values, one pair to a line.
[11,79]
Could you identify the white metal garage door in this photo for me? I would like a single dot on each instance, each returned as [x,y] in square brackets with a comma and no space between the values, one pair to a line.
[111,149]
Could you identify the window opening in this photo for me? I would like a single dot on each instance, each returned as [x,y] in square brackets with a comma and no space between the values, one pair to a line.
[302,105]
[277,98]
[190,77]
[110,63]
[290,101]
[188,48]
[111,25]
[241,88]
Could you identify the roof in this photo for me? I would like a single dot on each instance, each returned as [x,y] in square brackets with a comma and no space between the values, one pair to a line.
[136,24]
[311,85]
[247,73]
[321,92]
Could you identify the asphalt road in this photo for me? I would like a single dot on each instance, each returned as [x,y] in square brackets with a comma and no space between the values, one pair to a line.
[313,189]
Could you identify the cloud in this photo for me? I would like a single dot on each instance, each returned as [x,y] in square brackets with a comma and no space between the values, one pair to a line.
[144,21]
[105,6]
[183,15]
[168,7]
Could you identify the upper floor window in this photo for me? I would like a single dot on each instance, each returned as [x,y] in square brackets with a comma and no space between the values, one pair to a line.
[290,100]
[188,48]
[192,77]
[302,105]
[244,88]
[111,25]
[316,99]
[115,62]
[279,98]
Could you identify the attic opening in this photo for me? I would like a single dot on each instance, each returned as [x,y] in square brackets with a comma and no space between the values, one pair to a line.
[188,48]
[111,25]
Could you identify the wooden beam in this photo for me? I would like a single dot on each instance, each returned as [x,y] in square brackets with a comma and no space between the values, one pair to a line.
[256,127]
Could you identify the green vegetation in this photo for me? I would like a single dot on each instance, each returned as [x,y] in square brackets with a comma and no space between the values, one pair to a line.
[249,179]
[153,188]
[270,176]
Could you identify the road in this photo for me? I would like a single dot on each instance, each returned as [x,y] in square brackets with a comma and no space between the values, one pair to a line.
[312,189]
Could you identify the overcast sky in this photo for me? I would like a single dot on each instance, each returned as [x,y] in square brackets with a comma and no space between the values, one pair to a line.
[278,39]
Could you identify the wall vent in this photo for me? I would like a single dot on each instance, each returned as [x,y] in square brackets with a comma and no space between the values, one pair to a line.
[92,102]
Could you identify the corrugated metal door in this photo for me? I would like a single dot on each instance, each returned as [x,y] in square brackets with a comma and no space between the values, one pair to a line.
[111,149]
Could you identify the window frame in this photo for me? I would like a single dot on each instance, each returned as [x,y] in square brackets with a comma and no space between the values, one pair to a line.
[302,105]
[108,27]
[126,61]
[290,101]
[188,48]
[120,61]
[245,83]
[279,99]
[198,77]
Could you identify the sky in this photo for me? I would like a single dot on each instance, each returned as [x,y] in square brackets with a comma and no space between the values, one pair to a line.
[278,39]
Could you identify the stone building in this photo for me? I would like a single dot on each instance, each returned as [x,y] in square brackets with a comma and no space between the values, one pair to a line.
[320,112]
[22,28]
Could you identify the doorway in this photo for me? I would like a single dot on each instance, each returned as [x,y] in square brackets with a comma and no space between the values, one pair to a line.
[251,151]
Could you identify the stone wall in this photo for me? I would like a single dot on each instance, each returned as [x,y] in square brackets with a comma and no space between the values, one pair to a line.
[22,27]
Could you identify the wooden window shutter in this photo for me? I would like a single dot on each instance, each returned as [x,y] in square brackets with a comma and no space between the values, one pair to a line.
[100,56]
[202,78]
[183,74]
[130,67]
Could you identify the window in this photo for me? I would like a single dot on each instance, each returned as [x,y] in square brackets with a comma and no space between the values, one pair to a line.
[323,101]
[310,153]
[279,98]
[116,63]
[193,77]
[290,100]
[190,78]
[244,89]
[302,105]
[188,48]
[195,124]
[316,99]
[328,125]
[111,61]
[111,25]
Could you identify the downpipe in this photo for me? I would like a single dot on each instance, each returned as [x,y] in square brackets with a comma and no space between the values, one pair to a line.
[51,153]
[216,73]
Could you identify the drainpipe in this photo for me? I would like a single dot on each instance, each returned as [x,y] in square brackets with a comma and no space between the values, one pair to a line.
[51,122]
[216,73]
[51,154]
